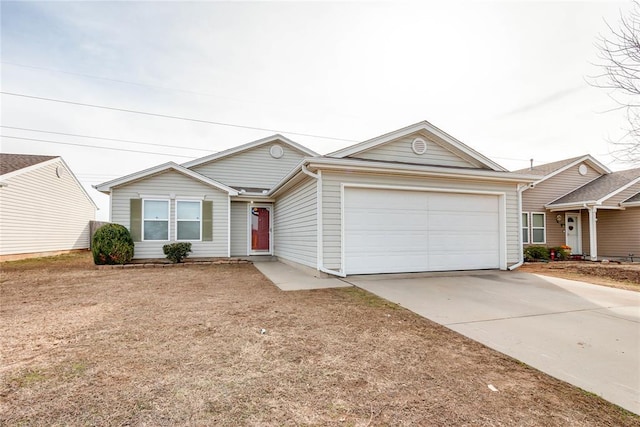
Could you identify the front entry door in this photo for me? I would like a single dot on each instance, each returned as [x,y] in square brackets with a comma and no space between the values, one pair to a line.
[260,226]
[573,235]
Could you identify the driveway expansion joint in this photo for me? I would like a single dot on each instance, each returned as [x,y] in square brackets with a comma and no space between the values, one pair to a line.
[542,314]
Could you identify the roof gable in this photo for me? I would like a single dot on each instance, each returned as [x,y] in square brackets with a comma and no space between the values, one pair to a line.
[549,170]
[249,146]
[107,186]
[412,145]
[14,162]
[21,164]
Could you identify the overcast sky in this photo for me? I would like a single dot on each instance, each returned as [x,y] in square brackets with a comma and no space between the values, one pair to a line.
[509,79]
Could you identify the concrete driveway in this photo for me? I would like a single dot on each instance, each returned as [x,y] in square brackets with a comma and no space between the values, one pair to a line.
[584,334]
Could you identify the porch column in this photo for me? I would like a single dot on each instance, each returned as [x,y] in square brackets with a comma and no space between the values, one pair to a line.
[593,233]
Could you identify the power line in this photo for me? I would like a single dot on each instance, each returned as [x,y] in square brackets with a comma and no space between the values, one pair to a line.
[107,139]
[94,146]
[167,116]
[109,79]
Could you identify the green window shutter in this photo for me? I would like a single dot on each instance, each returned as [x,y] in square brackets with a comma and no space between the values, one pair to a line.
[135,217]
[207,221]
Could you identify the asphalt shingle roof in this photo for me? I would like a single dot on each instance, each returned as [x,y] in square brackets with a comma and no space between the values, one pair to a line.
[600,187]
[633,199]
[13,162]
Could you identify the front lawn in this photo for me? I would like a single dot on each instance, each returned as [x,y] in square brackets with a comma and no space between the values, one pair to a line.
[185,346]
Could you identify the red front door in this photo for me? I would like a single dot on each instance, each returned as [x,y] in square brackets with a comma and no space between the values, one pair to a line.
[260,229]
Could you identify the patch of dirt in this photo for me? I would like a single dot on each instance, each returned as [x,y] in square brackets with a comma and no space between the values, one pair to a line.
[622,276]
[184,346]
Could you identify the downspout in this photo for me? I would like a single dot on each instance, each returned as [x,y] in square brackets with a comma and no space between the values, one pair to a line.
[593,233]
[520,189]
[320,227]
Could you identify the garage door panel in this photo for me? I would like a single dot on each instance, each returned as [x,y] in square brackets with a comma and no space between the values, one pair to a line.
[390,231]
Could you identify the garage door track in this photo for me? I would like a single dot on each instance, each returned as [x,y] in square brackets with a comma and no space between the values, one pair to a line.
[584,334]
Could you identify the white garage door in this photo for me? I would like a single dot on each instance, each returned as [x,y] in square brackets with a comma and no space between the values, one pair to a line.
[395,231]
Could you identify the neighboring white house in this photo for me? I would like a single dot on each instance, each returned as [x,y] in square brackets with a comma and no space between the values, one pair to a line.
[43,208]
[415,199]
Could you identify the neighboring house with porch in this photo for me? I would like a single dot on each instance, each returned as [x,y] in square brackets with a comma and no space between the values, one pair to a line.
[580,203]
[415,199]
[44,209]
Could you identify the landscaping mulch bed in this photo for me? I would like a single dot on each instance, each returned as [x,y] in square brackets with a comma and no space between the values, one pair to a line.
[221,345]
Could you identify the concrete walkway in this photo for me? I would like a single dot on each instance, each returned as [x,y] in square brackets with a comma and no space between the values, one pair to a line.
[289,278]
[583,334]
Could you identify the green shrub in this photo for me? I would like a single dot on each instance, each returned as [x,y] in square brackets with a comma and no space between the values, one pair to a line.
[176,252]
[536,253]
[562,253]
[112,244]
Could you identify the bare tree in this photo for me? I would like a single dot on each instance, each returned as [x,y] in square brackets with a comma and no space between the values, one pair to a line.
[620,56]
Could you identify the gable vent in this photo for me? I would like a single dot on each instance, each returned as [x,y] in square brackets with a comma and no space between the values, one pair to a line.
[419,146]
[276,151]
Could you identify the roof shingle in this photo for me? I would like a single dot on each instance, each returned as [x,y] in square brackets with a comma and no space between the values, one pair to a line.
[600,187]
[13,162]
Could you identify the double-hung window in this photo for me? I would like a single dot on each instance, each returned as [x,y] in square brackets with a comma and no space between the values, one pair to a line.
[188,220]
[525,227]
[155,222]
[538,231]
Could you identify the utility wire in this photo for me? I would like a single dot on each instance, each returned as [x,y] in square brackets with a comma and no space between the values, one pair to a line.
[167,116]
[109,79]
[107,139]
[94,146]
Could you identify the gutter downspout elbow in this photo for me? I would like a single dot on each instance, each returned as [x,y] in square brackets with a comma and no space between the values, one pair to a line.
[306,171]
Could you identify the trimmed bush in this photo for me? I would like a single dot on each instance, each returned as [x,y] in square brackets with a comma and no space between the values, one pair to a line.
[562,253]
[176,252]
[536,253]
[112,244]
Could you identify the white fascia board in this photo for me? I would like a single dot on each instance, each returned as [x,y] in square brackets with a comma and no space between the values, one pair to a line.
[630,204]
[248,146]
[30,168]
[296,170]
[423,125]
[619,190]
[107,186]
[602,169]
[570,206]
[384,167]
[77,181]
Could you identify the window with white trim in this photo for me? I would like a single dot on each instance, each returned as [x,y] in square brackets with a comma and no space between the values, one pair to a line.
[155,220]
[188,220]
[538,230]
[525,227]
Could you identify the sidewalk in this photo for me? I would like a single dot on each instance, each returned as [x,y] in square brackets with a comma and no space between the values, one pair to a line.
[289,278]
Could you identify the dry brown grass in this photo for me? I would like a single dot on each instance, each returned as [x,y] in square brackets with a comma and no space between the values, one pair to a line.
[182,346]
[621,276]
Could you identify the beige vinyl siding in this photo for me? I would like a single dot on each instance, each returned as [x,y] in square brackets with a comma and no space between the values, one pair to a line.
[618,233]
[296,224]
[622,196]
[252,168]
[239,239]
[41,212]
[535,199]
[173,185]
[554,229]
[331,209]
[401,151]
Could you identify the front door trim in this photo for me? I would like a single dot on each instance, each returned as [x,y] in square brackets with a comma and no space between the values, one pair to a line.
[577,223]
[250,250]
